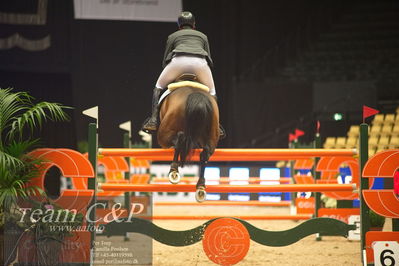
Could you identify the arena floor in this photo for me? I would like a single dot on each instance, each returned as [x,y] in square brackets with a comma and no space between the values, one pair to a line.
[308,251]
[330,251]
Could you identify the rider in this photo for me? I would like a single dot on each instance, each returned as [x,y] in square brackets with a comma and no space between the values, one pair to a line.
[187,51]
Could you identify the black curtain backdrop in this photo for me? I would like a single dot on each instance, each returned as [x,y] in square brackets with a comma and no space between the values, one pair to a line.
[45,74]
[280,107]
[55,59]
[114,64]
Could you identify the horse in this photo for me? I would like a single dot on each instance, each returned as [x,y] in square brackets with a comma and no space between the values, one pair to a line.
[188,120]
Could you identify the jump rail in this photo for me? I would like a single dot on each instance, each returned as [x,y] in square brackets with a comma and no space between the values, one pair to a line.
[242,217]
[230,154]
[228,188]
[226,203]
[224,180]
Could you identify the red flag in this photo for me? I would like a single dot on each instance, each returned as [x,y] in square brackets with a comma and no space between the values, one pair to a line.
[299,132]
[291,137]
[318,126]
[367,111]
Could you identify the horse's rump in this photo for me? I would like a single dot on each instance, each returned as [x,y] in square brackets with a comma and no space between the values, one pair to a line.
[189,118]
[195,115]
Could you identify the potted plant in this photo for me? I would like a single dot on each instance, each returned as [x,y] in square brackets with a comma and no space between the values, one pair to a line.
[19,115]
[11,229]
[376,221]
[47,226]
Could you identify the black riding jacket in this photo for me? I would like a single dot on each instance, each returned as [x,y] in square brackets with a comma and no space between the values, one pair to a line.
[187,41]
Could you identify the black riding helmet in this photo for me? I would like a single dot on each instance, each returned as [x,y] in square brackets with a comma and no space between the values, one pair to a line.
[186,18]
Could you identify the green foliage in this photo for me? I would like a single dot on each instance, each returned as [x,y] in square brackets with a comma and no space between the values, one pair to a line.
[14,181]
[18,112]
[19,115]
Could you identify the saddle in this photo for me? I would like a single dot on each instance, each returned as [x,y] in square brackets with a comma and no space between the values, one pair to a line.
[187,80]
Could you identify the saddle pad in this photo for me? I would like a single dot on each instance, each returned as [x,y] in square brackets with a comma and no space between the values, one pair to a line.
[187,83]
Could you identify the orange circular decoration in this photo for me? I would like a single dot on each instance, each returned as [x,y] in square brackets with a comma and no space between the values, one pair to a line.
[226,241]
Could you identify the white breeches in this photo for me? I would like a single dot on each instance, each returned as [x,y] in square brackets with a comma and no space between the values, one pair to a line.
[187,64]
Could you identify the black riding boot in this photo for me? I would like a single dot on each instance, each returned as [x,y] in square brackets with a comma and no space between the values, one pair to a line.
[151,124]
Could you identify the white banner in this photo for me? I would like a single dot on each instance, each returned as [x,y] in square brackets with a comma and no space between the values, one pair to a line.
[143,10]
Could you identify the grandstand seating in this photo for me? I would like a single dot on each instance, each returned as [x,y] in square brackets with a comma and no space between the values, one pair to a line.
[362,44]
[375,130]
[384,134]
[340,143]
[389,119]
[329,143]
[383,142]
[353,131]
[395,129]
[378,119]
[386,130]
[351,142]
[394,143]
[373,142]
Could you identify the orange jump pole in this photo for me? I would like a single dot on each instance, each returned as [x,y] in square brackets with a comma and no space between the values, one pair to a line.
[247,217]
[223,180]
[230,154]
[228,188]
[284,203]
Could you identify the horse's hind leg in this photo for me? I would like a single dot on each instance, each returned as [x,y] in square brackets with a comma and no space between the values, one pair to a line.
[174,176]
[200,194]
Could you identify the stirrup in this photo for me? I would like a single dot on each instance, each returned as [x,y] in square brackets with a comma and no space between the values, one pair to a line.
[222,132]
[146,126]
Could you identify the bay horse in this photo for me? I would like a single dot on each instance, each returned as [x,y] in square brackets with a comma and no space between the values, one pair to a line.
[189,119]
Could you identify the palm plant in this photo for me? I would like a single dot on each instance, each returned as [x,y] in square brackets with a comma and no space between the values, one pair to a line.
[19,115]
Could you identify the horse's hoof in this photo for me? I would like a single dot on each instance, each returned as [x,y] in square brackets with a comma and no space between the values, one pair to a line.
[174,177]
[200,194]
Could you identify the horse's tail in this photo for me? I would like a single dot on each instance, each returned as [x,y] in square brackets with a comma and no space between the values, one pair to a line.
[198,124]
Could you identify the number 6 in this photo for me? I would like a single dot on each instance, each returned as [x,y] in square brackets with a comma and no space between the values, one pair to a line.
[384,257]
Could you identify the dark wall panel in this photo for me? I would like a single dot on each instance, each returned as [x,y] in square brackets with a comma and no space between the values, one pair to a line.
[343,96]
[114,64]
[279,108]
[57,17]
